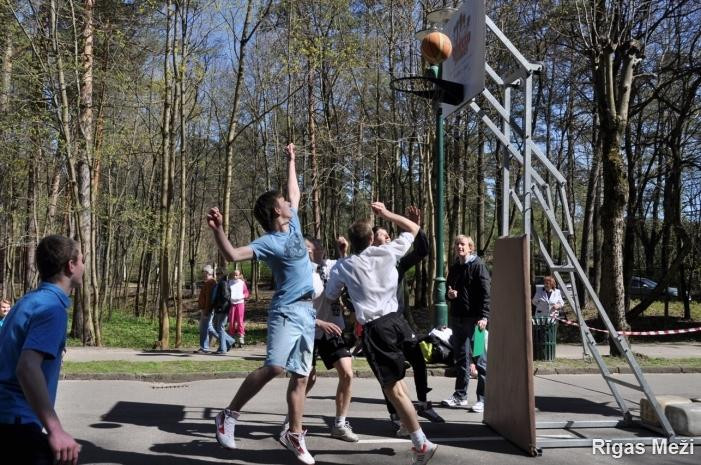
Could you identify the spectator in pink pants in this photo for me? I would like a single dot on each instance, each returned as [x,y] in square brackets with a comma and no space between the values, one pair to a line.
[239,293]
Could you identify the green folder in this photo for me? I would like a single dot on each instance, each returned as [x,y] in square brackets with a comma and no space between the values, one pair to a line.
[478,342]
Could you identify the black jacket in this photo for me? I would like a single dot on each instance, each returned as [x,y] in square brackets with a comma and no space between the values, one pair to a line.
[472,281]
[418,252]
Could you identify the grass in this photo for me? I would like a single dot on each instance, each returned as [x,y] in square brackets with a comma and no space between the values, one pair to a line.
[656,309]
[192,367]
[676,309]
[617,362]
[128,331]
[177,367]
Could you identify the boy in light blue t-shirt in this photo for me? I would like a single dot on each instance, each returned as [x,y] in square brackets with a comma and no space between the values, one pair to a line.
[291,315]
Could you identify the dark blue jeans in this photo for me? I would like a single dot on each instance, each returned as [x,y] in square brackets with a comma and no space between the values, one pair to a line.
[462,341]
[206,330]
[220,324]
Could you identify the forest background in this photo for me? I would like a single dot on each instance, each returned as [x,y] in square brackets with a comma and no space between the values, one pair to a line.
[122,121]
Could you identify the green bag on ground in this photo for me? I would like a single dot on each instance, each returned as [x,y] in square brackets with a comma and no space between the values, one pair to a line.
[478,342]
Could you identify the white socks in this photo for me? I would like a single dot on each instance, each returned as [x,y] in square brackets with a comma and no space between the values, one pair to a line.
[418,438]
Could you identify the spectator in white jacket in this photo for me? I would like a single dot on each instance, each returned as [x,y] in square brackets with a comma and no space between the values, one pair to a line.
[548,300]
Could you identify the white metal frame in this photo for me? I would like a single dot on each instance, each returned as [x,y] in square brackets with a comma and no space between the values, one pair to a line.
[518,145]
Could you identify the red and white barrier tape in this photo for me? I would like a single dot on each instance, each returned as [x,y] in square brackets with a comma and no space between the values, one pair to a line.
[636,333]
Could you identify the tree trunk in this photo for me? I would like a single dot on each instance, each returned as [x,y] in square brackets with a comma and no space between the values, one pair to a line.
[588,220]
[79,178]
[163,341]
[316,204]
[479,180]
[612,222]
[233,122]
[30,227]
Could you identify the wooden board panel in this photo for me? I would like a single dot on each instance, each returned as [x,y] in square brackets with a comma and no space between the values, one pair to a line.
[510,405]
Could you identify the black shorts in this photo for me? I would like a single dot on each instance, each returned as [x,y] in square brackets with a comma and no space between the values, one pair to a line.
[30,444]
[384,340]
[330,349]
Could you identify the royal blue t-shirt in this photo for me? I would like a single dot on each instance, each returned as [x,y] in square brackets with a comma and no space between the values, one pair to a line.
[36,322]
[286,255]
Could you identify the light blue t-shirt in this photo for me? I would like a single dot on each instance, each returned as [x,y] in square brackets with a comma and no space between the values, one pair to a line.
[36,322]
[286,255]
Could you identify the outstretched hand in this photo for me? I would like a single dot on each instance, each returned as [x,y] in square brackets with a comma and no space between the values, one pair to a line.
[290,151]
[215,220]
[342,245]
[413,213]
[379,209]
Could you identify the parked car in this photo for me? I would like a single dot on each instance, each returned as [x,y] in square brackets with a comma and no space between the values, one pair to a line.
[641,287]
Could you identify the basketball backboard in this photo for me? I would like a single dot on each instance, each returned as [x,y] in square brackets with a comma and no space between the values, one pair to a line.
[466,29]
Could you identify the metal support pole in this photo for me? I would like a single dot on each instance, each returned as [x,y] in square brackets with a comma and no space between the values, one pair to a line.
[505,172]
[527,181]
[440,305]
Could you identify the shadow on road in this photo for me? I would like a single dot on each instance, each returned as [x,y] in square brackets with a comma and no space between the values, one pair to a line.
[188,421]
[574,405]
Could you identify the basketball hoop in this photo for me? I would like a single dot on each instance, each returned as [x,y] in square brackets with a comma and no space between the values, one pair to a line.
[430,88]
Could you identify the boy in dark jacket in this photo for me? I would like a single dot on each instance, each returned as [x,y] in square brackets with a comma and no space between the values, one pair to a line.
[468,292]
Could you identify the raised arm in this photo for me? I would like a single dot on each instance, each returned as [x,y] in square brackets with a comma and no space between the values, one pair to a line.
[215,221]
[403,223]
[292,185]
[420,247]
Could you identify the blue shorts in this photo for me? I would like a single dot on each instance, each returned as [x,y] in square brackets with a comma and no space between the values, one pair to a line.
[291,337]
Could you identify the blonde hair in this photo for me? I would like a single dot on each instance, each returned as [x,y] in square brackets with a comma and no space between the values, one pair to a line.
[470,242]
[552,281]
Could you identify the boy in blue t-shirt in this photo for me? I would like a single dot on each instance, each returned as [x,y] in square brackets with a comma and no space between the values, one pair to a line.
[291,315]
[32,340]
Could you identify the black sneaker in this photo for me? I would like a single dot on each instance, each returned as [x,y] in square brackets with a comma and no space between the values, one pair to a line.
[425,410]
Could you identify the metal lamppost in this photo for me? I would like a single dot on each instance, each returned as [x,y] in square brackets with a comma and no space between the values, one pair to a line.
[436,19]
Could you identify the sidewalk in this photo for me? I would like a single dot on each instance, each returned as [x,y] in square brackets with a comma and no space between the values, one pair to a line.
[656,350]
[671,350]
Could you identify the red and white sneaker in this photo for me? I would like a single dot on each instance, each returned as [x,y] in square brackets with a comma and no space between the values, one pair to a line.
[295,443]
[422,456]
[226,423]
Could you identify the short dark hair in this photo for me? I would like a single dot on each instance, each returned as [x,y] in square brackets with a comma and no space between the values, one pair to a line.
[360,235]
[313,240]
[264,210]
[53,253]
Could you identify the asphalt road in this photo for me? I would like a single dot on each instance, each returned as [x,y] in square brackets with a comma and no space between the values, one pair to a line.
[138,423]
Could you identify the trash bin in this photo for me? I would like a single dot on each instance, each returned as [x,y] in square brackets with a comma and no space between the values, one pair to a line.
[544,338]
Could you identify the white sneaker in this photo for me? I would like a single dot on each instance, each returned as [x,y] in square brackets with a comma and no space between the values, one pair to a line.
[226,423]
[478,407]
[295,443]
[344,432]
[422,456]
[454,401]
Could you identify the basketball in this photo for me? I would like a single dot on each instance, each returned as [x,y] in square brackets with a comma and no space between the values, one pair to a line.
[436,47]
